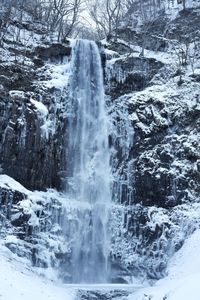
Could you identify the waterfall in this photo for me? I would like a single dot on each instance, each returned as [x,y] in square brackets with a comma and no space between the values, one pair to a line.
[88,164]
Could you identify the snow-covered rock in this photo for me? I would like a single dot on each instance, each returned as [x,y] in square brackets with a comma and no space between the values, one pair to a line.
[182,281]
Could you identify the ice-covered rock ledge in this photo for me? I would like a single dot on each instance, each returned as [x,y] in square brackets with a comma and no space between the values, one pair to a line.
[19,281]
[32,226]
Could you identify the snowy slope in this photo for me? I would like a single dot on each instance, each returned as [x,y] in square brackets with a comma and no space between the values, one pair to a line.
[182,282]
[19,283]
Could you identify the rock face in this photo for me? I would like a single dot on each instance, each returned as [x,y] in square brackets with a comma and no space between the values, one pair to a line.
[154,108]
[164,119]
[131,74]
[33,134]
[31,224]
[54,52]
[166,172]
[24,152]
[154,136]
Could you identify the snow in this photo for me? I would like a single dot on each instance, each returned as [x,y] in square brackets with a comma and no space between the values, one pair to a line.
[48,128]
[186,261]
[56,76]
[183,270]
[182,281]
[18,282]
[48,125]
[58,73]
[110,54]
[8,182]
[156,218]
[16,94]
[164,57]
[41,108]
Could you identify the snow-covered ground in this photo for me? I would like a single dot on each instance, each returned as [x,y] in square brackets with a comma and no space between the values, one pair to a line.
[18,282]
[182,282]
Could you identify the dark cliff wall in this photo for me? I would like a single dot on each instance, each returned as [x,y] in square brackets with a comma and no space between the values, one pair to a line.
[33,140]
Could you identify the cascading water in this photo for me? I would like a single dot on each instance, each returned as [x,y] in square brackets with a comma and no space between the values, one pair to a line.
[88,165]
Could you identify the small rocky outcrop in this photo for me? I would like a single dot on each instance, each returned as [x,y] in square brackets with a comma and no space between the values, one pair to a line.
[103,295]
[53,52]
[130,74]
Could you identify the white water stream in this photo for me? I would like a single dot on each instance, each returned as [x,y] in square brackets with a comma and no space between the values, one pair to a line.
[89,155]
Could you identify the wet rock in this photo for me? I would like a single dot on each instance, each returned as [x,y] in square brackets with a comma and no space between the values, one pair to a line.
[130,74]
[151,38]
[102,294]
[53,52]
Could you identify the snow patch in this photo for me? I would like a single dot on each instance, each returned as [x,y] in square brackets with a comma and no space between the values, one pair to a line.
[182,282]
[58,75]
[15,94]
[20,283]
[9,183]
[41,108]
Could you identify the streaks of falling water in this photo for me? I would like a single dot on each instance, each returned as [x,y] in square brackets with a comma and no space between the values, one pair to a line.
[88,164]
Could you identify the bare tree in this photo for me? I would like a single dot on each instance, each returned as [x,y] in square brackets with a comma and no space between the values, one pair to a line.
[194,55]
[63,16]
[188,53]
[107,15]
[147,9]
